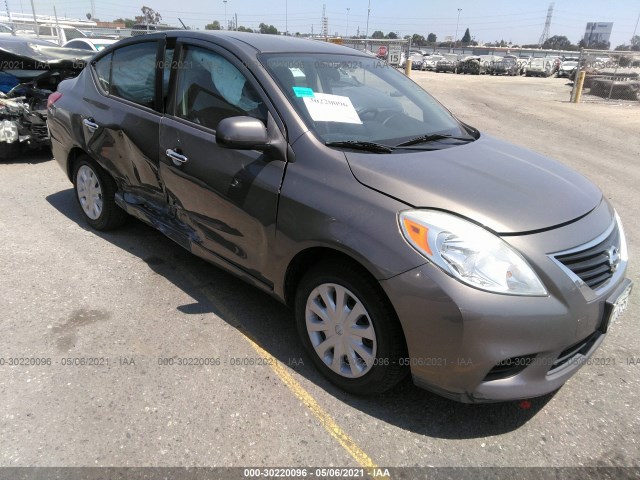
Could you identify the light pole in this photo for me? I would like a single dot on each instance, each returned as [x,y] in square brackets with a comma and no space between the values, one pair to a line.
[226,26]
[347,32]
[368,13]
[455,39]
[633,37]
[286,17]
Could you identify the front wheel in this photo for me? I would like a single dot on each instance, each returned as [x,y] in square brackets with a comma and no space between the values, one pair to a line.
[349,329]
[95,193]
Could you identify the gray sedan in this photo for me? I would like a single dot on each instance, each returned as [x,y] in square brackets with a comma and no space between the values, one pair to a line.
[404,240]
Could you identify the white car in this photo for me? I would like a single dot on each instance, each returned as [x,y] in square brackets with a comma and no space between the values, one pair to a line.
[93,44]
[566,68]
[58,34]
[431,61]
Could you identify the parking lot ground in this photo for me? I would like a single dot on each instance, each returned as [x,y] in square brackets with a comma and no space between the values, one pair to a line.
[132,299]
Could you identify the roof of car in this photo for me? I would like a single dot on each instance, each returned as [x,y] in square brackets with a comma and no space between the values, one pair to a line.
[264,43]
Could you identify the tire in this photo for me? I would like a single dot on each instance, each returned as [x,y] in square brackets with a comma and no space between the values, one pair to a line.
[95,192]
[376,365]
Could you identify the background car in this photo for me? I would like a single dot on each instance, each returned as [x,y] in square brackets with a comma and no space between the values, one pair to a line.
[93,44]
[431,61]
[567,69]
[539,67]
[449,63]
[505,66]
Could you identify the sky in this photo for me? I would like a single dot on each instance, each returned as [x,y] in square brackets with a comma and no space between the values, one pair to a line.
[518,21]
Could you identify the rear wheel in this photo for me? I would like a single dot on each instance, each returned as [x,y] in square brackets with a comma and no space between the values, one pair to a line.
[95,192]
[349,329]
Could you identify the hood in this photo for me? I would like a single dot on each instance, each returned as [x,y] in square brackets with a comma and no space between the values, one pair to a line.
[18,53]
[506,188]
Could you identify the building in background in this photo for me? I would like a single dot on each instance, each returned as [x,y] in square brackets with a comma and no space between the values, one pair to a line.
[597,33]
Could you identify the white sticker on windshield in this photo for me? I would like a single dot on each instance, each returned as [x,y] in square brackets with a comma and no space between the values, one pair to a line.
[331,108]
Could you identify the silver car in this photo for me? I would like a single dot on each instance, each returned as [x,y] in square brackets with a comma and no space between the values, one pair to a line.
[404,240]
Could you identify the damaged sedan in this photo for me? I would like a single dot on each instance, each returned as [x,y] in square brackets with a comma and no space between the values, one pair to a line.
[30,70]
[404,240]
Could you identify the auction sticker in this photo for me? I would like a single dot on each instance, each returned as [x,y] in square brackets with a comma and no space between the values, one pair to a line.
[324,107]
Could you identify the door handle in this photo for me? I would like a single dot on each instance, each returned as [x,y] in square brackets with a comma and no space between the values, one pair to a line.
[177,158]
[91,126]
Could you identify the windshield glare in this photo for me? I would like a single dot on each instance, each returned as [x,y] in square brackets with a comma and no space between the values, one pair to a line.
[357,98]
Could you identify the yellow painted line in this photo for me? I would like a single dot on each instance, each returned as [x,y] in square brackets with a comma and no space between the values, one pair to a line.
[293,385]
[320,413]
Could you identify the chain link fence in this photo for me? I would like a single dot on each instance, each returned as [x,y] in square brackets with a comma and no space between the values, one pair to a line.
[609,76]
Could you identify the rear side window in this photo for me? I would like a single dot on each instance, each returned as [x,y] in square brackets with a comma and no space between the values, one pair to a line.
[103,70]
[133,70]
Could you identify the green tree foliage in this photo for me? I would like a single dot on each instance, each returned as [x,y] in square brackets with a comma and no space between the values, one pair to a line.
[417,40]
[150,16]
[377,34]
[268,29]
[245,29]
[466,38]
[128,22]
[392,35]
[558,42]
[213,26]
[432,38]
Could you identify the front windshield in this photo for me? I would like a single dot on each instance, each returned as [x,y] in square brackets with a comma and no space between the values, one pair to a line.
[355,98]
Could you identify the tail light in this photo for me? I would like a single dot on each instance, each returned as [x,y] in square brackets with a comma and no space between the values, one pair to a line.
[53,98]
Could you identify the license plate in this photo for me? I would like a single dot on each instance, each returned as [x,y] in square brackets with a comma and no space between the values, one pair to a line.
[615,307]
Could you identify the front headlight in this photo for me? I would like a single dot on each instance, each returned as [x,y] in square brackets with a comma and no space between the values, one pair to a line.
[469,253]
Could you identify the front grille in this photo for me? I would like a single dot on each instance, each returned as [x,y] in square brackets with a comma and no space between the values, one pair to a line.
[593,265]
[40,132]
[575,352]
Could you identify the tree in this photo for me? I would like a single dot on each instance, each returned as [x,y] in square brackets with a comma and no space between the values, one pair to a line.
[432,38]
[213,26]
[417,40]
[392,35]
[268,29]
[558,42]
[150,16]
[377,34]
[245,29]
[466,37]
[128,22]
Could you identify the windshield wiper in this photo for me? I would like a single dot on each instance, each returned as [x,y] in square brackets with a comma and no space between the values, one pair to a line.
[359,145]
[433,138]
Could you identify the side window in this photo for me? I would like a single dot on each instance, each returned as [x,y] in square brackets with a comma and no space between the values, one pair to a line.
[210,89]
[133,71]
[103,69]
[166,72]
[45,31]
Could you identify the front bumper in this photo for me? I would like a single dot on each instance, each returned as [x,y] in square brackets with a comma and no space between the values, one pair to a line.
[474,346]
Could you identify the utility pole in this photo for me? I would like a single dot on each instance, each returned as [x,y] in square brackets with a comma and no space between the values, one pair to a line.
[368,14]
[547,27]
[93,10]
[455,39]
[225,14]
[286,17]
[633,37]
[347,32]
[35,20]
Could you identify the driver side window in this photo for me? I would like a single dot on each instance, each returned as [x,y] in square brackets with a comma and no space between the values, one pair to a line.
[210,89]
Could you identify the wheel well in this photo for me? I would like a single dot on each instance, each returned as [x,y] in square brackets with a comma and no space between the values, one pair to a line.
[306,259]
[73,157]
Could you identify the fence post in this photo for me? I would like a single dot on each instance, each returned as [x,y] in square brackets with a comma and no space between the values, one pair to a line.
[579,82]
[613,79]
[575,78]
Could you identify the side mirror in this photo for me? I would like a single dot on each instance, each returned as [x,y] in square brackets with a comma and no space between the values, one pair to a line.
[242,133]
